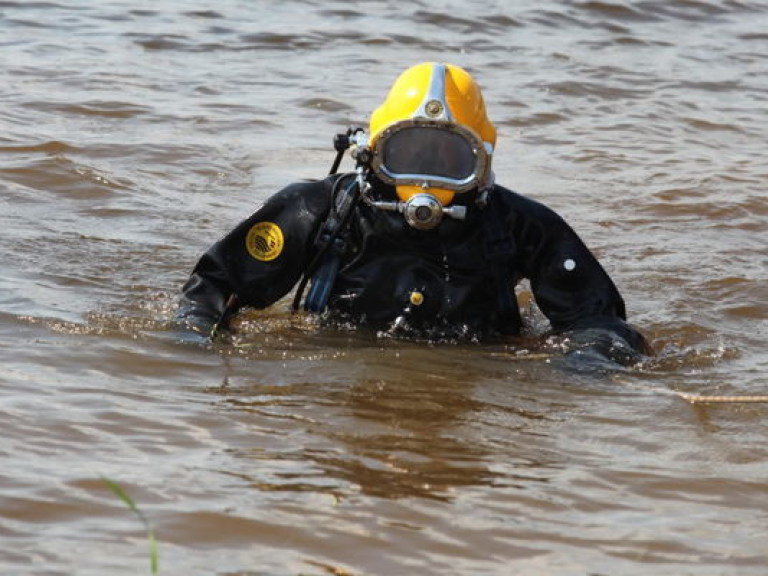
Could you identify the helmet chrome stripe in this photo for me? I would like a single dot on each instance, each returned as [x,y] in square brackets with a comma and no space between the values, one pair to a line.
[434,105]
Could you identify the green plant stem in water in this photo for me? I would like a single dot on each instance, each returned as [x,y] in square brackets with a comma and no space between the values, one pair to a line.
[120,493]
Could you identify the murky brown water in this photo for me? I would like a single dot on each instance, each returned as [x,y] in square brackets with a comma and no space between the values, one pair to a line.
[133,134]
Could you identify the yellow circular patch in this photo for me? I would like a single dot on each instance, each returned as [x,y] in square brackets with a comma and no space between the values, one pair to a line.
[264,241]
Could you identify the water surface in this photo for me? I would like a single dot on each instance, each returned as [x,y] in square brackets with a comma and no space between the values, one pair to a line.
[132,135]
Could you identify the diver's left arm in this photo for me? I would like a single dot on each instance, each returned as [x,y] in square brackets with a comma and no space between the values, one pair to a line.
[573,290]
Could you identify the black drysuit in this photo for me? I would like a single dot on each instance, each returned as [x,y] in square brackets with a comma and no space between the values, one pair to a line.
[456,279]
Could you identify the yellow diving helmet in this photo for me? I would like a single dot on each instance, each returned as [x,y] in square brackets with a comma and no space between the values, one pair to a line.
[431,136]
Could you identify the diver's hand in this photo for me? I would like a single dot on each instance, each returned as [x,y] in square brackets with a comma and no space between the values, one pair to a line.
[191,329]
[602,342]
[599,348]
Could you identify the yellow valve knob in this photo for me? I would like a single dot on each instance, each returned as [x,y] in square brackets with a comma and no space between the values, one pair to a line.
[417,298]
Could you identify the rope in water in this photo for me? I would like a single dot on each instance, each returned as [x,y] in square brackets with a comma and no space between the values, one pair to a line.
[691,398]
[699,399]
[705,399]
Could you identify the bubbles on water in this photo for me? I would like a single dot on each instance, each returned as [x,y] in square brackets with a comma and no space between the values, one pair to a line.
[687,348]
[688,359]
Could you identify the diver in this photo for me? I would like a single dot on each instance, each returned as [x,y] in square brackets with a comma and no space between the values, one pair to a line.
[417,240]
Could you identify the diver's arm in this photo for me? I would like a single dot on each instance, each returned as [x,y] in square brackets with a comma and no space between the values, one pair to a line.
[573,290]
[257,263]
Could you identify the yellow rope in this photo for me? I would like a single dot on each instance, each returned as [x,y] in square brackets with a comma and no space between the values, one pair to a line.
[691,398]
[704,399]
[698,399]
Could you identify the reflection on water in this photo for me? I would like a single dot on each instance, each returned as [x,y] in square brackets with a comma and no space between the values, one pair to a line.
[408,432]
[134,136]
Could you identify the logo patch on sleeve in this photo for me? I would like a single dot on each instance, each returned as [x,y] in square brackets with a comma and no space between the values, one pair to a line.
[264,241]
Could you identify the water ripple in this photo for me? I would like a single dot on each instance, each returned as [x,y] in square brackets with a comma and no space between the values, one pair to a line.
[135,135]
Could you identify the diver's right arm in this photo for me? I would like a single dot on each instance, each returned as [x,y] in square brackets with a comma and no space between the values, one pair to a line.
[257,263]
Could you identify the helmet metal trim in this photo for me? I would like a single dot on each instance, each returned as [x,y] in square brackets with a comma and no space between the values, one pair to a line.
[434,105]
